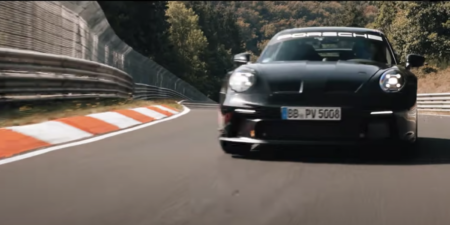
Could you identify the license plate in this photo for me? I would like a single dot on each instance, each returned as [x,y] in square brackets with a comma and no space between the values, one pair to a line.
[311,113]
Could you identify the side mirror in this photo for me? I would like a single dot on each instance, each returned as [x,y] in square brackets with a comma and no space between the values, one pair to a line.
[414,60]
[241,58]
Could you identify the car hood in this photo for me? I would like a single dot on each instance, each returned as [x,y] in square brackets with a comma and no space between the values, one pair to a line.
[310,77]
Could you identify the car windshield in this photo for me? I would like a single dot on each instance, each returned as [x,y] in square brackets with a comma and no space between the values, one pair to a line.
[299,47]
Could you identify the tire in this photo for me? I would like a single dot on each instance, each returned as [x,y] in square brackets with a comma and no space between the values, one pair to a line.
[409,148]
[412,148]
[235,148]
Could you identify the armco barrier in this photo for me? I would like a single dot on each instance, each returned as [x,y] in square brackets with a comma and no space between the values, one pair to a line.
[72,30]
[433,102]
[145,91]
[196,104]
[28,75]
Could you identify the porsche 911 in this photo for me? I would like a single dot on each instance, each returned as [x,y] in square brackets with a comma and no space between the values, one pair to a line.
[320,86]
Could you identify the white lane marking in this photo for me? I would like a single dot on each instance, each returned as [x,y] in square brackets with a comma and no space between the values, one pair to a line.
[116,119]
[166,109]
[52,132]
[93,139]
[149,112]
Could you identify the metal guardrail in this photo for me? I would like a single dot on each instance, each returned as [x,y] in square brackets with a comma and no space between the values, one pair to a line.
[29,75]
[149,92]
[433,101]
[198,104]
[69,50]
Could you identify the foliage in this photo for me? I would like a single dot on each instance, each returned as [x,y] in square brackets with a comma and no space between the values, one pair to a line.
[417,27]
[187,37]
[197,39]
[224,41]
[142,25]
[260,20]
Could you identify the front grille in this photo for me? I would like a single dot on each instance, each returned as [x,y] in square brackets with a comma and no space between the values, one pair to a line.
[340,86]
[311,130]
[341,99]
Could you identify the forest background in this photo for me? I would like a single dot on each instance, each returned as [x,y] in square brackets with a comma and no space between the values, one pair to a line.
[196,40]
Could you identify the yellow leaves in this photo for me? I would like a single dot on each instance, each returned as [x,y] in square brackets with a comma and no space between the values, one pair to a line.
[371,26]
[446,25]
[269,30]
[432,36]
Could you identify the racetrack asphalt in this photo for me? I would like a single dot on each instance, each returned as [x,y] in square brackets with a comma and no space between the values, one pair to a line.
[175,173]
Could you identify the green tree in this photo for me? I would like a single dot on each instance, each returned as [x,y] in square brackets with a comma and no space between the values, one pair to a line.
[427,30]
[222,32]
[417,27]
[190,44]
[142,25]
[260,20]
[351,15]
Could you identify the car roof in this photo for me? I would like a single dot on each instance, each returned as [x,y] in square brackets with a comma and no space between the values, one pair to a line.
[328,29]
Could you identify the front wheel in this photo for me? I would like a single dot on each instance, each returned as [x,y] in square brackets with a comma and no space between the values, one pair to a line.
[409,148]
[235,148]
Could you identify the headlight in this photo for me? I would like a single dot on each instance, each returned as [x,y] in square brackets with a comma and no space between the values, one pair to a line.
[241,81]
[392,81]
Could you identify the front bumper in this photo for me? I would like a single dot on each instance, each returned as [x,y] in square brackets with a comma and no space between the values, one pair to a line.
[265,126]
[304,142]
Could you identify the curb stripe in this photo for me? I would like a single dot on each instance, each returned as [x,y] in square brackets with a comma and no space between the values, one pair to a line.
[42,151]
[135,115]
[89,124]
[52,132]
[165,112]
[19,139]
[12,143]
[116,119]
[166,109]
[149,113]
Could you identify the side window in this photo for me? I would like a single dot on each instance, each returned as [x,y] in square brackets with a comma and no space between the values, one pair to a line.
[388,56]
[269,52]
[288,51]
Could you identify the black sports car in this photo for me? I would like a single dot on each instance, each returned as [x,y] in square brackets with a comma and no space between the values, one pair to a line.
[320,85]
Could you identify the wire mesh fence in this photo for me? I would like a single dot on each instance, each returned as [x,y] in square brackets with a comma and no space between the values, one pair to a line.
[79,29]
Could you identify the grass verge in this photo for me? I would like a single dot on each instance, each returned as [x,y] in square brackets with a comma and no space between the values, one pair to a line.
[432,80]
[16,114]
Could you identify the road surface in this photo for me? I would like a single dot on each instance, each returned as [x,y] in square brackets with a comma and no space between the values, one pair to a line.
[175,173]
